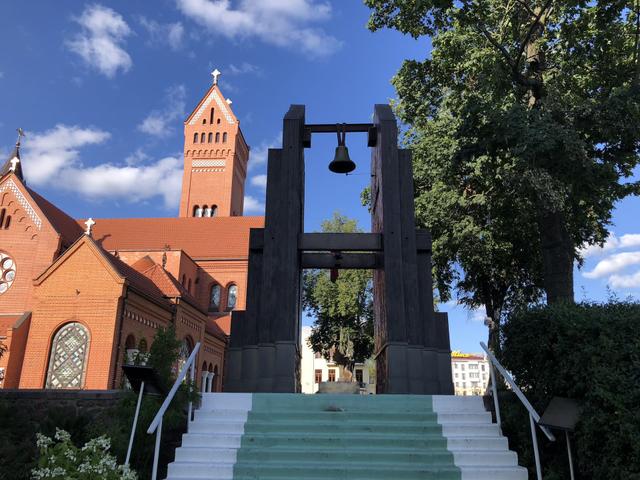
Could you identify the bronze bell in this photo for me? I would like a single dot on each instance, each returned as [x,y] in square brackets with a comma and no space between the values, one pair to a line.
[341,162]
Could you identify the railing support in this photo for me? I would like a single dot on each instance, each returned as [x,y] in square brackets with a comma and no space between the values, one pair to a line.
[536,452]
[135,424]
[156,452]
[566,433]
[494,389]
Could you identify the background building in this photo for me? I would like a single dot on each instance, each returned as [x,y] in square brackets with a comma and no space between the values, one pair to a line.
[470,373]
[315,369]
[80,298]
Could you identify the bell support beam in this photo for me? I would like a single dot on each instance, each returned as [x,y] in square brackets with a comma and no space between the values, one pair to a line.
[343,261]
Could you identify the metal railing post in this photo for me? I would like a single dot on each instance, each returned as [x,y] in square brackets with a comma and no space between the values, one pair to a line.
[536,453]
[494,389]
[566,432]
[156,453]
[135,424]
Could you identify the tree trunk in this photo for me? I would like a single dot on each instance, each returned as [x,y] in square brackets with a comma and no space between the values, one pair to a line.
[557,258]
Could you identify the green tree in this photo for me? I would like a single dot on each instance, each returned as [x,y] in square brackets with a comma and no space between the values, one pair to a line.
[342,309]
[523,123]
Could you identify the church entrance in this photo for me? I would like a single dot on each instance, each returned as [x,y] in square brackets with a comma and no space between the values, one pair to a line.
[412,352]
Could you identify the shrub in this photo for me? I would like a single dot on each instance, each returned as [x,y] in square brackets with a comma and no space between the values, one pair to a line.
[62,460]
[589,352]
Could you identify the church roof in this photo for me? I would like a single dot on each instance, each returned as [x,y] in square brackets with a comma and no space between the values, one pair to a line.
[200,238]
[220,324]
[8,166]
[62,223]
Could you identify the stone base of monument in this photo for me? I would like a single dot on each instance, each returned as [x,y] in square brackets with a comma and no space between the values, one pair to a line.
[339,387]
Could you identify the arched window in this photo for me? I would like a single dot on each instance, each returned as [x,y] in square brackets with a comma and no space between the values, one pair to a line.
[214,210]
[218,122]
[224,137]
[211,116]
[205,209]
[195,137]
[184,279]
[7,222]
[210,138]
[186,347]
[198,211]
[68,358]
[2,214]
[217,137]
[232,297]
[214,298]
[214,387]
[189,287]
[195,210]
[202,137]
[204,121]
[130,350]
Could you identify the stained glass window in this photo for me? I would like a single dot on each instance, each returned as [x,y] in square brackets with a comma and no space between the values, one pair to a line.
[214,303]
[7,272]
[232,297]
[68,360]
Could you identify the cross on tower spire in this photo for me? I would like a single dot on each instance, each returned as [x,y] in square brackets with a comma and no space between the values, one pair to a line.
[215,74]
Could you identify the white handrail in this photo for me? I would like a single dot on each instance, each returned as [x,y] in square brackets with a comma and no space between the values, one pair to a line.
[517,391]
[534,418]
[156,424]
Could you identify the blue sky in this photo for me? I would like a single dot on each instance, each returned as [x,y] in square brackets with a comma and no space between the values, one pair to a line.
[102,90]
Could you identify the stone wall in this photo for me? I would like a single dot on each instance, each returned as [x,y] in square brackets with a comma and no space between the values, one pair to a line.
[37,403]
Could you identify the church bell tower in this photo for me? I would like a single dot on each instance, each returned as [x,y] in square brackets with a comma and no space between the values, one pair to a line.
[215,159]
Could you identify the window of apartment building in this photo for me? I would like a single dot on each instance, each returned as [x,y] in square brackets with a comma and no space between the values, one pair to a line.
[332,374]
[317,355]
[455,365]
[473,366]
[463,376]
[456,375]
[318,374]
[482,367]
[474,375]
[359,375]
[462,367]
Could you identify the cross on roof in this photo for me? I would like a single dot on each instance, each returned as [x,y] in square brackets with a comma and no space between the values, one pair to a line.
[89,223]
[215,74]
[14,163]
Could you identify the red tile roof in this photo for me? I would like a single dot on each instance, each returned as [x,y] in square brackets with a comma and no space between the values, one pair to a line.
[216,237]
[66,226]
[219,326]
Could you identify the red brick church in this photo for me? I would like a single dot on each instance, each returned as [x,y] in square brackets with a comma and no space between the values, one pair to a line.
[80,298]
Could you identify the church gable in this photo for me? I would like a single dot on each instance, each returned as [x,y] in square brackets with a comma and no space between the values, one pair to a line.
[213,98]
[16,208]
[82,268]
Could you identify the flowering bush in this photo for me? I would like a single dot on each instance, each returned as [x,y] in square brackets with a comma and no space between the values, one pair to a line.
[62,460]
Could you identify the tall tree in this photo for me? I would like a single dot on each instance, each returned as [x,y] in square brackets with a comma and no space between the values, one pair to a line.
[524,122]
[342,307]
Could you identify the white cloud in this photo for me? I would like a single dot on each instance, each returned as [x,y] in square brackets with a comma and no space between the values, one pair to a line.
[613,264]
[253,205]
[259,181]
[625,281]
[160,123]
[612,243]
[245,68]
[53,158]
[260,154]
[171,34]
[284,23]
[100,43]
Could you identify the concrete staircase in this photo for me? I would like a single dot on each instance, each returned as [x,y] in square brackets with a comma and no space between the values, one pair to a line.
[287,436]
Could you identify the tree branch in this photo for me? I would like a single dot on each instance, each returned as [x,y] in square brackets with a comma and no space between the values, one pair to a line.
[496,45]
[524,5]
[532,28]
